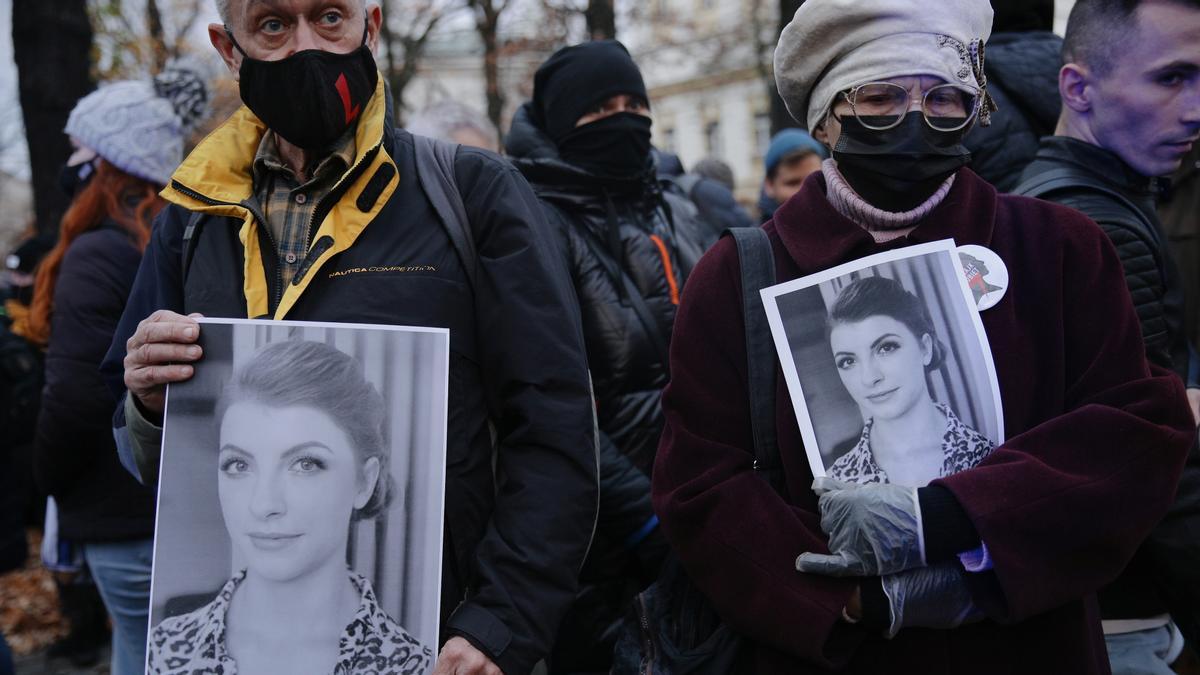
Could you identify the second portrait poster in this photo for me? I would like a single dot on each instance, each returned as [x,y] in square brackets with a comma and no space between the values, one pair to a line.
[888,367]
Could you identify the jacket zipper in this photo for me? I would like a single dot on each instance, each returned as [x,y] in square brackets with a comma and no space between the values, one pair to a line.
[647,639]
[350,176]
[321,210]
[277,286]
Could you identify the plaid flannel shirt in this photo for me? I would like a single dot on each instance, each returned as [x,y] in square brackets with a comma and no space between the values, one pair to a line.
[288,204]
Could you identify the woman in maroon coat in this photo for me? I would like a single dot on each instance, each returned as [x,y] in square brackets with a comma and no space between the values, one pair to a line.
[990,570]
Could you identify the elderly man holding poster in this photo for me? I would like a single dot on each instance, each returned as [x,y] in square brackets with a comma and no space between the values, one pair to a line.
[992,569]
[307,204]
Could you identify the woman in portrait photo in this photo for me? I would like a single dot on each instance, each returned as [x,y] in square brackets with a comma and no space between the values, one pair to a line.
[884,347]
[301,458]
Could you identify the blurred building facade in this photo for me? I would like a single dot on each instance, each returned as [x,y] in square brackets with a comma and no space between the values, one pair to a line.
[707,68]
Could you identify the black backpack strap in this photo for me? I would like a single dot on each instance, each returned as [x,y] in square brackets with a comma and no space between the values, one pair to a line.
[757,261]
[1057,180]
[435,171]
[1060,180]
[187,248]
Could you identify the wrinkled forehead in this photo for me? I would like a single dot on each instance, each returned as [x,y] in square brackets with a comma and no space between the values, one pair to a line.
[244,8]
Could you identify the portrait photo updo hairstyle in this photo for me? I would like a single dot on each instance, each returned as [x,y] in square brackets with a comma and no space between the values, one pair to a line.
[315,375]
[881,296]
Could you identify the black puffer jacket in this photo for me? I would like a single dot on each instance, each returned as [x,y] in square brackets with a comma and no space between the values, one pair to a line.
[1022,72]
[1165,572]
[653,249]
[618,237]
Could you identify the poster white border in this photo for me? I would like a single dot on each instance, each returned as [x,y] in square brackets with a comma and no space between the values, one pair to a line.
[445,413]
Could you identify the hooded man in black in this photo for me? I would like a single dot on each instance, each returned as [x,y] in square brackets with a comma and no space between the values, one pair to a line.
[584,144]
[1022,72]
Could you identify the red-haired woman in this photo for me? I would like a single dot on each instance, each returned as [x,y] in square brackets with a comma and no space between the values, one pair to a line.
[129,138]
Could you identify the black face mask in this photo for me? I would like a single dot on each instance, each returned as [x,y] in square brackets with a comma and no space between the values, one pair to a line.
[617,146]
[899,168]
[311,97]
[72,179]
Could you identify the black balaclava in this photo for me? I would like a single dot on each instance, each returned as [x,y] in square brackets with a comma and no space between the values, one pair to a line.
[311,97]
[899,168]
[574,81]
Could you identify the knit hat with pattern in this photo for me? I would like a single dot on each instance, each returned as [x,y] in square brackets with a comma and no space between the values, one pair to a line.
[139,126]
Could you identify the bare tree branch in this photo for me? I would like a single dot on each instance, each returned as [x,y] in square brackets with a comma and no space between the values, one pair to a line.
[487,20]
[190,14]
[406,47]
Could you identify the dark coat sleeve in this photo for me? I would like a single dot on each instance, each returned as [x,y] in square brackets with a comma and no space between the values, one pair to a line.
[536,385]
[735,536]
[73,426]
[1063,506]
[157,285]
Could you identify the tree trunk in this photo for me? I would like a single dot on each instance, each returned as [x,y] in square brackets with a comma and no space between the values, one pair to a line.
[780,118]
[158,41]
[390,43]
[491,74]
[601,20]
[52,44]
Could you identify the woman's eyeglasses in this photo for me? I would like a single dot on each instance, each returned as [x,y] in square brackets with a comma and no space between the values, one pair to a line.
[883,105]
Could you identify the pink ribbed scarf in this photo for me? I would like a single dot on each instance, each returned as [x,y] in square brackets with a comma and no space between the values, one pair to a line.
[883,225]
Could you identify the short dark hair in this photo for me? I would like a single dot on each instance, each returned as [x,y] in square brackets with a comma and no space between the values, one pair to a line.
[316,375]
[881,296]
[1098,30]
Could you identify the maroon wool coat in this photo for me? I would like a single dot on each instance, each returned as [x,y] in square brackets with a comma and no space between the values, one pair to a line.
[1096,442]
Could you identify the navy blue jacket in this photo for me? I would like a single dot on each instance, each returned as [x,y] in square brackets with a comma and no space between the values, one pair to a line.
[76,457]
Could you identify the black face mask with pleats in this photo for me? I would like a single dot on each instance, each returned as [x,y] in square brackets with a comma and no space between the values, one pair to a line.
[311,97]
[616,146]
[897,169]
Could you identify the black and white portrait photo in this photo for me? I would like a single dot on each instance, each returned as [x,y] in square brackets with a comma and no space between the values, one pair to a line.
[888,367]
[301,498]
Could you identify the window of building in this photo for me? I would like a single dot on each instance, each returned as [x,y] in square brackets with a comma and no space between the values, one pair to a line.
[762,133]
[669,141]
[712,137]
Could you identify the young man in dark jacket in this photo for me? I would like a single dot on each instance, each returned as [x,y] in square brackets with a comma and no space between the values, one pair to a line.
[1131,111]
[520,509]
[584,144]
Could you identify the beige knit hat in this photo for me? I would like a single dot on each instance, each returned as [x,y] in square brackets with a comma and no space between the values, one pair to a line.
[833,45]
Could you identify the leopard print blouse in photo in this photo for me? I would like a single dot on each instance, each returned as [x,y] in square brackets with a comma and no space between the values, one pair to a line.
[962,448]
[372,643]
